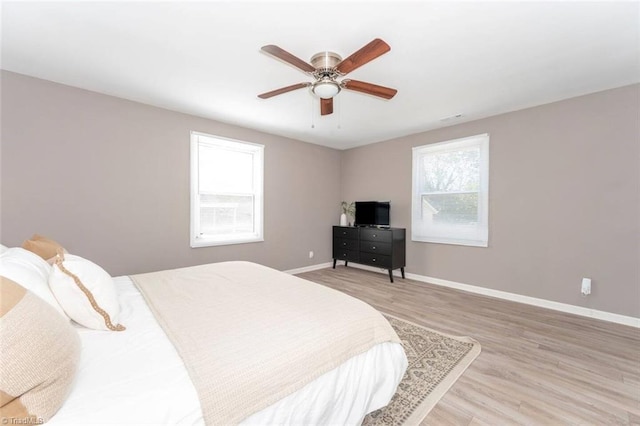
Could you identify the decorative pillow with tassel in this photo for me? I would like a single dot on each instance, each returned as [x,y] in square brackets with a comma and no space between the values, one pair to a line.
[86,292]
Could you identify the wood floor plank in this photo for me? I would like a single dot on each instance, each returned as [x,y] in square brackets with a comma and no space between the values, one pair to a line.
[537,366]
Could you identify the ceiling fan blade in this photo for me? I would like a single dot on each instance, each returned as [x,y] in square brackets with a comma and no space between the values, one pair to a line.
[366,54]
[369,88]
[326,106]
[282,90]
[288,57]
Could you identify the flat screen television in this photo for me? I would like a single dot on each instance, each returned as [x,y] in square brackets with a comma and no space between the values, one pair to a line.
[372,213]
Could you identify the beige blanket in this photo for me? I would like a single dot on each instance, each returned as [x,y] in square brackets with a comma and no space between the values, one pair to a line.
[250,335]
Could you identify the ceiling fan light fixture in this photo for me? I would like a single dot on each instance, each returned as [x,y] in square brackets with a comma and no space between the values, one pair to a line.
[325,88]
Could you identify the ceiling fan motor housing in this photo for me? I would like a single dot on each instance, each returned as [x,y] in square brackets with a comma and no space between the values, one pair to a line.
[326,86]
[325,62]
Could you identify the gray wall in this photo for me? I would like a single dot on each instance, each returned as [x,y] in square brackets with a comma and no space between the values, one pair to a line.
[109,179]
[564,201]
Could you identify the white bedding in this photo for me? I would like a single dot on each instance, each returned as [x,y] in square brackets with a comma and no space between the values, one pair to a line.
[136,377]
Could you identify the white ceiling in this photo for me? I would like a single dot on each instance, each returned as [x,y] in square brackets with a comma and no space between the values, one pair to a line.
[204,58]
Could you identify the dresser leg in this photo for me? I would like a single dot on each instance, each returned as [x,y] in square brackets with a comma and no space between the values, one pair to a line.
[391,275]
[346,262]
[334,263]
[402,271]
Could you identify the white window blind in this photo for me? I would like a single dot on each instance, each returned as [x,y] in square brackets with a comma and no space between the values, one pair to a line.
[226,191]
[451,192]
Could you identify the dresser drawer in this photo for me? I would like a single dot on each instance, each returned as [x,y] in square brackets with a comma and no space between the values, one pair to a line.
[375,247]
[349,255]
[372,234]
[345,233]
[374,259]
[343,244]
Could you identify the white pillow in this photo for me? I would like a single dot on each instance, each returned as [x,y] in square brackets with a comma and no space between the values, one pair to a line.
[86,292]
[31,272]
[3,248]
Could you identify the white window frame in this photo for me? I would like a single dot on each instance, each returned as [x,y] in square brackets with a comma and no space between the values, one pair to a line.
[421,232]
[197,238]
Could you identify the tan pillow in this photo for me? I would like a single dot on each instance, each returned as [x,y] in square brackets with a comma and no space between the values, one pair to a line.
[42,246]
[39,354]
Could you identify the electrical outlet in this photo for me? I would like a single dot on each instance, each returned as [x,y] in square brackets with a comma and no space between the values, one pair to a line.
[585,289]
[311,254]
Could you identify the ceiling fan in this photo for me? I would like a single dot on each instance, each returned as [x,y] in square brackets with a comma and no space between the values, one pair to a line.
[327,67]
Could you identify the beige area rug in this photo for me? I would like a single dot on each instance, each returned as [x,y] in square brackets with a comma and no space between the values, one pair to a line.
[436,361]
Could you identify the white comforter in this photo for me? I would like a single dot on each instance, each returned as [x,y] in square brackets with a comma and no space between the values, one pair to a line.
[136,377]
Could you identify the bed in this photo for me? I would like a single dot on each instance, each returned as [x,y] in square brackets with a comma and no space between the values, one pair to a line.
[141,376]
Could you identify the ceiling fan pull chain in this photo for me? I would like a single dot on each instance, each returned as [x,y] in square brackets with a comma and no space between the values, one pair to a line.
[339,102]
[313,125]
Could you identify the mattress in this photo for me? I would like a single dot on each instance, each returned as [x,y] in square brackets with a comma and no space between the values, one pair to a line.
[137,378]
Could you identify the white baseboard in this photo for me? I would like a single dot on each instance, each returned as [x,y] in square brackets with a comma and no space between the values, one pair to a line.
[543,303]
[309,268]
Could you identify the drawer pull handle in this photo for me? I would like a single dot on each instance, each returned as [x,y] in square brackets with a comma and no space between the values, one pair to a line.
[344,233]
[344,244]
[374,235]
[373,248]
[374,259]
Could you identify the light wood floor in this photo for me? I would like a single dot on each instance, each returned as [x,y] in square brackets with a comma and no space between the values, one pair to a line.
[537,366]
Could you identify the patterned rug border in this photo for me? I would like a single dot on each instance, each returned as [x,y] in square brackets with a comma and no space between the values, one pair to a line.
[442,387]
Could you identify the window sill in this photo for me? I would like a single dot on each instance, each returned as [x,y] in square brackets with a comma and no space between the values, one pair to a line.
[471,243]
[199,243]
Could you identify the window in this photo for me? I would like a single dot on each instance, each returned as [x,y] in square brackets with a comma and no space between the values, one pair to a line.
[450,192]
[226,191]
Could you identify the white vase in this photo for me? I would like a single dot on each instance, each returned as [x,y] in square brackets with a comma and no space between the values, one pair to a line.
[343,219]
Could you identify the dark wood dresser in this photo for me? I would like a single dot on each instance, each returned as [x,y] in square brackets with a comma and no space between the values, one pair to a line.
[380,247]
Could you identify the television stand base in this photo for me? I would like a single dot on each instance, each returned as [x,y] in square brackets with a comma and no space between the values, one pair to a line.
[346,263]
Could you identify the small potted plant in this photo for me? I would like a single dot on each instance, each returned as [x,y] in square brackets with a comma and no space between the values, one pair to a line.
[347,209]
